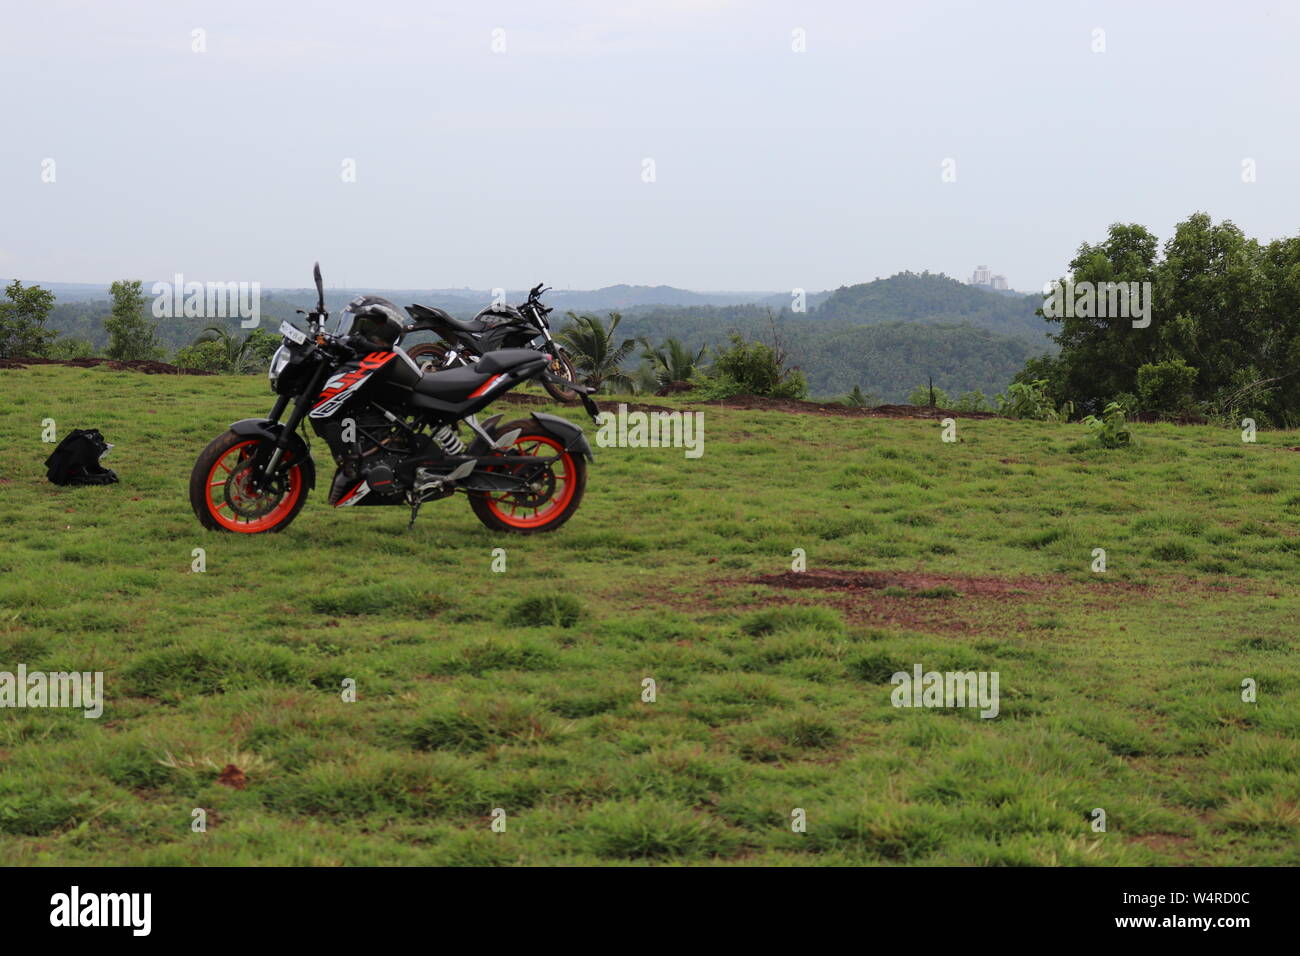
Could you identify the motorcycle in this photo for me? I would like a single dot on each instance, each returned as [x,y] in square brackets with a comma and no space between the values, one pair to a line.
[496,327]
[393,431]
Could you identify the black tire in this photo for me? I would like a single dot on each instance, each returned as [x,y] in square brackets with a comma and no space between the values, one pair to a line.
[563,367]
[299,480]
[490,509]
[434,352]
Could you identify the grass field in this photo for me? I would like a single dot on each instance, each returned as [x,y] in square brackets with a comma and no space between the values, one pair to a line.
[523,690]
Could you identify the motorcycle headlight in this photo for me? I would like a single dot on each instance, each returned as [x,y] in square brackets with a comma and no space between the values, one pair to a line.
[278,361]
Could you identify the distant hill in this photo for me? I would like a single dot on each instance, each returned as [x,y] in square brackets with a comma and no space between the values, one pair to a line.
[937,299]
[888,359]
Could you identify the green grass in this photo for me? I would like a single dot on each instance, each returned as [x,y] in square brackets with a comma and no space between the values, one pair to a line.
[523,690]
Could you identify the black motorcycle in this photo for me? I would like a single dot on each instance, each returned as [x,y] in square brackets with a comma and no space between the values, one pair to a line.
[496,327]
[393,431]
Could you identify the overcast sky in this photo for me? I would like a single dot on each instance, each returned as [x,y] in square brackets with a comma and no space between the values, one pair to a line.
[773,169]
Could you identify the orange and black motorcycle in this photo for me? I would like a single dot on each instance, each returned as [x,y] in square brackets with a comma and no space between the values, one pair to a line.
[394,432]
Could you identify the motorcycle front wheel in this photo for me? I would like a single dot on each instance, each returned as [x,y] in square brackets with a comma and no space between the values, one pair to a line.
[221,495]
[563,367]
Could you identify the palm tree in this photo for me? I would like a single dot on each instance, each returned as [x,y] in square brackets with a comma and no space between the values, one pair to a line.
[591,347]
[672,361]
[857,398]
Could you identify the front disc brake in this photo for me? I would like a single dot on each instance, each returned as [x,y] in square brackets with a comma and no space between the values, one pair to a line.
[243,500]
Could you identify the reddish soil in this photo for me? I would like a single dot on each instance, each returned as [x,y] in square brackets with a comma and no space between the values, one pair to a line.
[856,581]
[759,403]
[981,604]
[148,366]
[232,777]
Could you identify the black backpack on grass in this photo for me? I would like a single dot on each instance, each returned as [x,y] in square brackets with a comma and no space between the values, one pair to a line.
[76,460]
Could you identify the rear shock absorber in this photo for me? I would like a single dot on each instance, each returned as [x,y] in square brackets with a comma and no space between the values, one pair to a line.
[448,440]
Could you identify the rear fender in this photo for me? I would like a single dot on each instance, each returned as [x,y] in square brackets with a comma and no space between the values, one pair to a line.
[566,432]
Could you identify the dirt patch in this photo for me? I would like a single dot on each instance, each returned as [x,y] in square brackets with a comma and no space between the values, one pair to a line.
[232,777]
[934,603]
[831,580]
[760,403]
[148,366]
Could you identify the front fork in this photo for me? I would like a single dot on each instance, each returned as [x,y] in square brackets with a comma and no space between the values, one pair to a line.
[265,471]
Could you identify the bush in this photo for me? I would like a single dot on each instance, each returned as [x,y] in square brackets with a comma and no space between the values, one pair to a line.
[1166,386]
[975,401]
[206,356]
[751,368]
[921,396]
[1111,429]
[65,349]
[1032,400]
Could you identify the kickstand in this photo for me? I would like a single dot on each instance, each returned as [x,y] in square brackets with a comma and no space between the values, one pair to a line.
[415,510]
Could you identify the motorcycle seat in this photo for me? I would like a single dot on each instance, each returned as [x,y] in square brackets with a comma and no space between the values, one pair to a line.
[502,360]
[456,384]
[427,317]
[450,385]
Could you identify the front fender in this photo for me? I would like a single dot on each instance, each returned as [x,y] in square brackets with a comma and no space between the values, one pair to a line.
[271,431]
[567,432]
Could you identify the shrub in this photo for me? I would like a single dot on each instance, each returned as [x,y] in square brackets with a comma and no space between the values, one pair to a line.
[206,356]
[1111,429]
[975,401]
[1032,400]
[65,349]
[751,368]
[921,396]
[1166,386]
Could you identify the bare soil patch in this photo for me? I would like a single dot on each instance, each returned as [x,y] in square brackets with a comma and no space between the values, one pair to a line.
[148,366]
[934,603]
[760,403]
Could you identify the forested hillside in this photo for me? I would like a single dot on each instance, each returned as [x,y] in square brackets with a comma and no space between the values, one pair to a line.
[935,298]
[885,337]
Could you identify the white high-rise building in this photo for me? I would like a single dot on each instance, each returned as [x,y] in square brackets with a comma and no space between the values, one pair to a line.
[982,276]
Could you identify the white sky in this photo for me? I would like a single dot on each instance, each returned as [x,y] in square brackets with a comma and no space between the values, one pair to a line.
[774,169]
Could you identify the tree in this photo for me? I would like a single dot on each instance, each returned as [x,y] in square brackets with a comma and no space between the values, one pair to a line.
[591,347]
[1224,334]
[672,361]
[22,321]
[131,335]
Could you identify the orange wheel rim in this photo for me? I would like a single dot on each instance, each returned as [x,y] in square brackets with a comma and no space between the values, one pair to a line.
[222,472]
[520,515]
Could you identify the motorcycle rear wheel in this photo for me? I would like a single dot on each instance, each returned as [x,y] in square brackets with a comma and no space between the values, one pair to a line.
[434,353]
[560,486]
